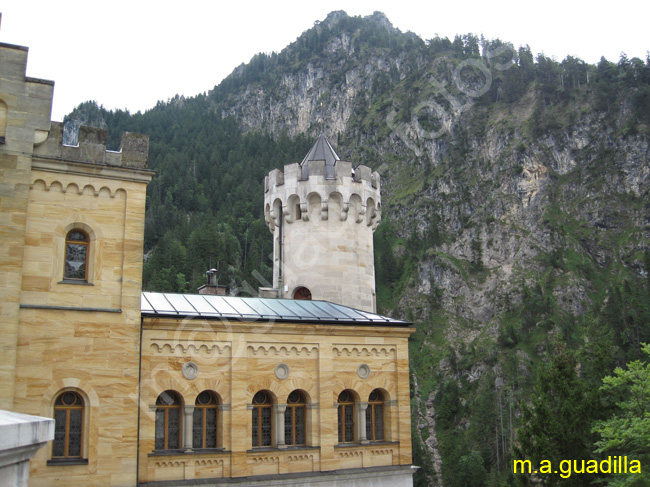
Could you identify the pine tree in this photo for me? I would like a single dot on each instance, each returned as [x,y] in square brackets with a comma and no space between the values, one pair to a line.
[556,424]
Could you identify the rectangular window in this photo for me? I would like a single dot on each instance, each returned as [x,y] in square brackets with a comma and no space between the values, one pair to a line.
[74,433]
[267,423]
[256,437]
[300,425]
[211,428]
[204,424]
[375,422]
[58,448]
[160,429]
[346,423]
[173,428]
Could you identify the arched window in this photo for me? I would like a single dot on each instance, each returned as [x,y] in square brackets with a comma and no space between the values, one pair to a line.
[168,421]
[262,419]
[295,419]
[302,293]
[205,421]
[346,417]
[375,416]
[68,425]
[76,255]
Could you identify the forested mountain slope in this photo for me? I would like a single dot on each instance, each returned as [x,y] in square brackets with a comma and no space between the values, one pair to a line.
[516,225]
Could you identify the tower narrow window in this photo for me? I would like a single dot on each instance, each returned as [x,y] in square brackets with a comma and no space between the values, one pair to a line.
[168,421]
[76,255]
[262,419]
[4,115]
[205,421]
[375,416]
[346,417]
[68,425]
[295,419]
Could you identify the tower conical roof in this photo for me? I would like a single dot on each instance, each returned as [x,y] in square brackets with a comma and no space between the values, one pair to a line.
[322,150]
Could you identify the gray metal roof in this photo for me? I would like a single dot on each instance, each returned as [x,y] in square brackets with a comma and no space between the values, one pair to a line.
[257,309]
[322,150]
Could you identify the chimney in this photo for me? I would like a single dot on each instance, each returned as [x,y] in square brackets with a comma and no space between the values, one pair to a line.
[212,287]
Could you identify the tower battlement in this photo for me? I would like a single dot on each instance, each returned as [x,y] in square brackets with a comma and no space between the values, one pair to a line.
[322,214]
[91,148]
[315,189]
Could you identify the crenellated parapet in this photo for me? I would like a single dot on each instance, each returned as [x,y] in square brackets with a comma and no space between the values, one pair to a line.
[91,148]
[318,191]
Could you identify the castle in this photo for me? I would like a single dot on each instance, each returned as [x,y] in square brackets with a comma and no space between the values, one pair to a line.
[307,385]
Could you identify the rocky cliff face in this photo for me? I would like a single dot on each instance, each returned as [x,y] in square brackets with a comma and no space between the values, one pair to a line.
[322,94]
[496,193]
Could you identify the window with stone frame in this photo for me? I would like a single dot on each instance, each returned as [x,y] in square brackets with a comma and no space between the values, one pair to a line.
[346,420]
[375,416]
[68,426]
[168,421]
[205,421]
[76,255]
[295,419]
[262,419]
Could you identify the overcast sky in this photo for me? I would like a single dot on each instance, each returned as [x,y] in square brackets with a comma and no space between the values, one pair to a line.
[130,54]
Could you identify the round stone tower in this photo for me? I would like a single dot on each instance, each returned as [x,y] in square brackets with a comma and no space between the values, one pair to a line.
[322,214]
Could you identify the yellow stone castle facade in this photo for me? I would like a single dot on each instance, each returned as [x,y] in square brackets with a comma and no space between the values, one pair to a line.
[162,390]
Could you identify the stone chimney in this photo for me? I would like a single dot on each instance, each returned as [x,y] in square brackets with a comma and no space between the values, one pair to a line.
[212,287]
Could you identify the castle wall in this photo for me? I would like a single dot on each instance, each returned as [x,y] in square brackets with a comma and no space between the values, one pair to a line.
[83,336]
[236,359]
[58,334]
[25,107]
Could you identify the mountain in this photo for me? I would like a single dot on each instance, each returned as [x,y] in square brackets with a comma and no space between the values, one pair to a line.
[516,207]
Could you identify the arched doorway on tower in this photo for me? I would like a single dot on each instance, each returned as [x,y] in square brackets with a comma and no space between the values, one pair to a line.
[302,293]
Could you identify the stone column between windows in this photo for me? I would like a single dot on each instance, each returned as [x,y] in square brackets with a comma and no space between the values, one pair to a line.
[188,416]
[362,423]
[391,412]
[279,410]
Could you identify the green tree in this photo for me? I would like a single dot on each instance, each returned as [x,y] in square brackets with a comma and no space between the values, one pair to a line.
[556,424]
[627,431]
[471,471]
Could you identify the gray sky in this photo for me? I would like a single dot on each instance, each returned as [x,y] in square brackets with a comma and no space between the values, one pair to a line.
[130,54]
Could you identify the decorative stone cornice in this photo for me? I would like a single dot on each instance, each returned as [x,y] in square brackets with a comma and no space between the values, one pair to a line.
[194,347]
[363,350]
[85,169]
[287,350]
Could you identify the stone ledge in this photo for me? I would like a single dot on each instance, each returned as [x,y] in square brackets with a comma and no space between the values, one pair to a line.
[59,462]
[389,476]
[193,451]
[70,308]
[21,436]
[80,168]
[18,430]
